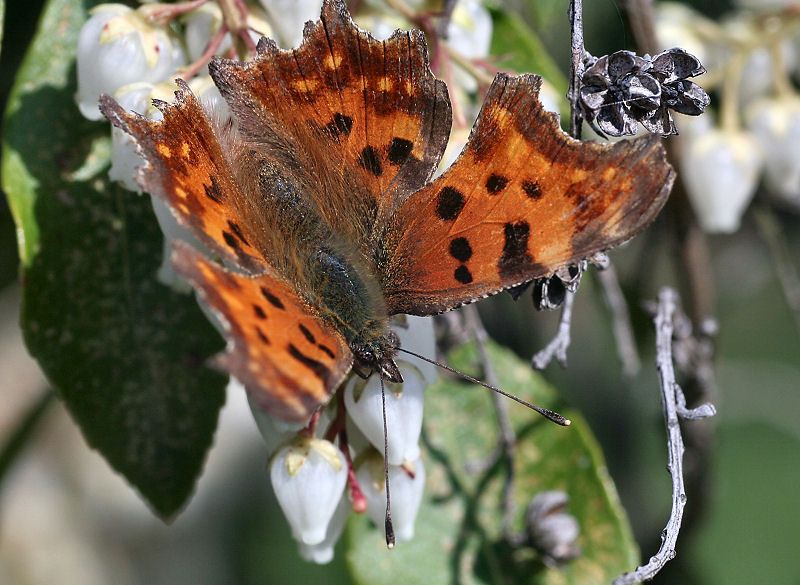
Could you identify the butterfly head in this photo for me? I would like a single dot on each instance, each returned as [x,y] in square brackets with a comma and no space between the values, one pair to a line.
[377,353]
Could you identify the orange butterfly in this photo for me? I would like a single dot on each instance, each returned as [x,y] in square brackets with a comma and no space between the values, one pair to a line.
[320,196]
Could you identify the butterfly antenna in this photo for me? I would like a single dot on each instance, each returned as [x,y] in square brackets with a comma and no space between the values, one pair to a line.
[548,414]
[389,528]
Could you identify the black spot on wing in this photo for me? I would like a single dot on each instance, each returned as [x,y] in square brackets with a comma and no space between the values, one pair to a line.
[341,125]
[369,159]
[325,349]
[238,231]
[273,300]
[264,339]
[463,275]
[212,191]
[515,255]
[230,240]
[460,249]
[531,189]
[319,369]
[259,312]
[496,183]
[307,334]
[399,149]
[449,203]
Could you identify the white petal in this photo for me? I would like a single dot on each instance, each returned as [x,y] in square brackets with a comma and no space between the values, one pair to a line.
[322,553]
[308,477]
[720,172]
[775,122]
[137,52]
[403,414]
[406,494]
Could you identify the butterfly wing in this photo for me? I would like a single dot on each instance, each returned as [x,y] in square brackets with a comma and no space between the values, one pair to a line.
[522,200]
[187,167]
[368,121]
[288,359]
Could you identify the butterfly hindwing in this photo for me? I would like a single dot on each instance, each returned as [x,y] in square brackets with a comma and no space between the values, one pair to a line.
[522,200]
[288,359]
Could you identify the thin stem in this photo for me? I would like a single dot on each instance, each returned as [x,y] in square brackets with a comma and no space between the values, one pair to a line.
[508,437]
[673,404]
[558,345]
[576,66]
[782,258]
[211,49]
[620,320]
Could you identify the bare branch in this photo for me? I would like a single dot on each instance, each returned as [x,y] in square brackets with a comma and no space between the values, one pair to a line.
[620,320]
[782,258]
[674,405]
[507,439]
[558,346]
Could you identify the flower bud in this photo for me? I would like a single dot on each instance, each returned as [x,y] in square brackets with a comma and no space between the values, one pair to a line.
[720,172]
[362,399]
[552,531]
[116,47]
[406,485]
[308,477]
[322,553]
[775,122]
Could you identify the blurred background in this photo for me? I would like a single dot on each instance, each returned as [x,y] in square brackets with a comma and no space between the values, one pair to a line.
[66,518]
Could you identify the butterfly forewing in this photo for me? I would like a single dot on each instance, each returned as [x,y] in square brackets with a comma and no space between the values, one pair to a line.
[187,167]
[365,116]
[289,360]
[522,200]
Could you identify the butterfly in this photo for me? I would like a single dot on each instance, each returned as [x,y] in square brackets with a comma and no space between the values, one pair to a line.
[318,206]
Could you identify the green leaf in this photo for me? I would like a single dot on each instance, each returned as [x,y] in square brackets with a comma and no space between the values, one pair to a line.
[458,531]
[125,353]
[521,50]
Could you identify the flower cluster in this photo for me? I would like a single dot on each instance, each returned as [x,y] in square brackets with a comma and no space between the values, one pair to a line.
[333,464]
[621,89]
[751,57]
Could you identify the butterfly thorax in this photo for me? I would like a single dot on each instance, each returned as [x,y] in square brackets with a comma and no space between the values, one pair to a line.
[348,298]
[333,277]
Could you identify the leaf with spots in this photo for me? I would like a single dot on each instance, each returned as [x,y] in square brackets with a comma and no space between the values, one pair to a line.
[458,531]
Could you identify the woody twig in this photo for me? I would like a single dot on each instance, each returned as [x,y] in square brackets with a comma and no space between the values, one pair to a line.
[674,404]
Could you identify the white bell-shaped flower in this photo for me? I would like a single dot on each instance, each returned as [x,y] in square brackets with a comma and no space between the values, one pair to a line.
[404,403]
[775,122]
[308,476]
[275,431]
[406,485]
[134,97]
[116,47]
[416,334]
[322,553]
[720,172]
[288,18]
